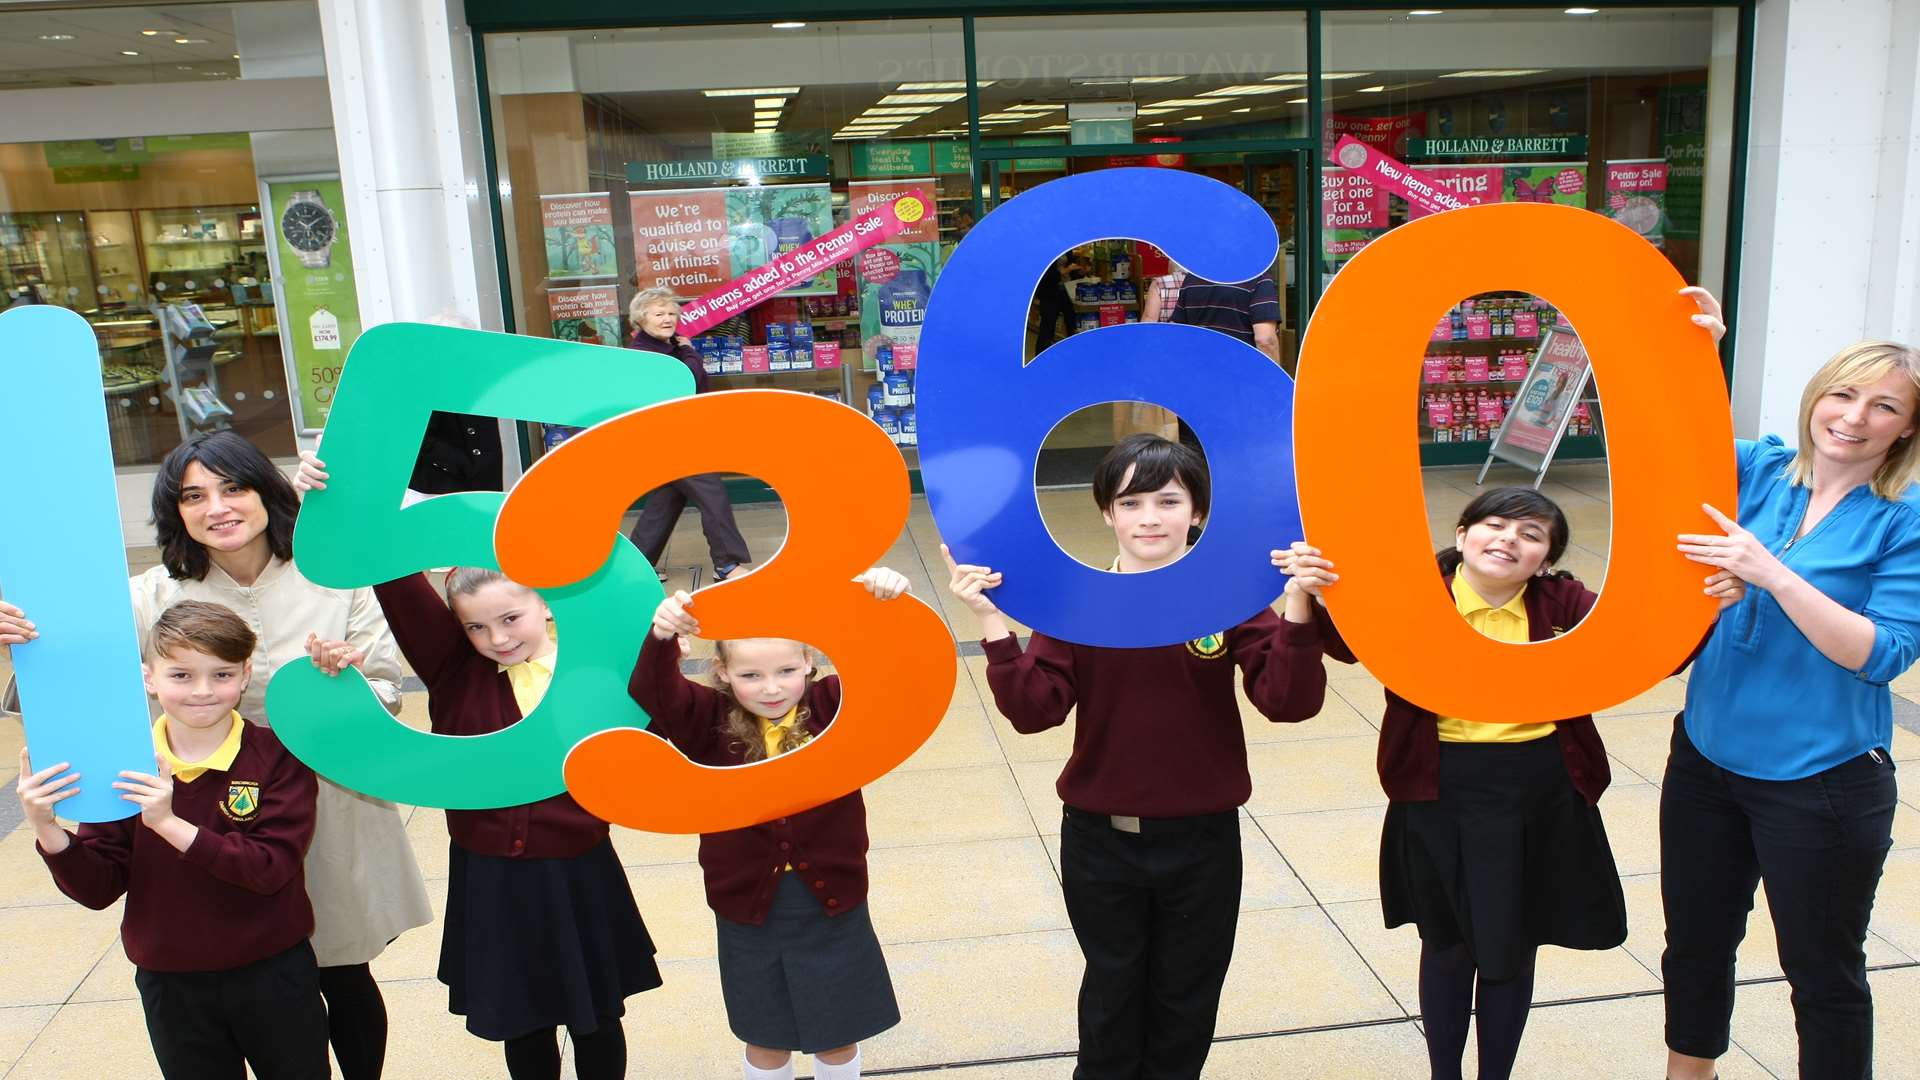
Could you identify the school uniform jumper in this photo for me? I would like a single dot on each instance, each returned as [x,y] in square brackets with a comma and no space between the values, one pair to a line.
[1150,832]
[541,929]
[800,964]
[1492,836]
[1780,772]
[218,934]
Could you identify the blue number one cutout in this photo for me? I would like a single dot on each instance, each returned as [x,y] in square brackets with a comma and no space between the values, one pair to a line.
[79,681]
[984,412]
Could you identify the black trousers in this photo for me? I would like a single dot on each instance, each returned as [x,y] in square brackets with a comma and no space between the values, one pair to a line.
[204,1024]
[662,513]
[1819,844]
[1155,914]
[1054,306]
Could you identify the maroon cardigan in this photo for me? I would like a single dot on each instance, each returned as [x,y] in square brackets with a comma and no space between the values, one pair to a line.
[237,895]
[468,694]
[1157,731]
[1409,757]
[826,846]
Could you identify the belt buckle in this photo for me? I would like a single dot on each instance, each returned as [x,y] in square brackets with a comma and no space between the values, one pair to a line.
[1125,824]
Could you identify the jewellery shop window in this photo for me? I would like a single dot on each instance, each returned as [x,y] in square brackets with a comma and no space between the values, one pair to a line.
[1627,113]
[681,159]
[160,243]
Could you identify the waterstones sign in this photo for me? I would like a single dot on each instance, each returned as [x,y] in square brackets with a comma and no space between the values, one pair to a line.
[1512,146]
[661,172]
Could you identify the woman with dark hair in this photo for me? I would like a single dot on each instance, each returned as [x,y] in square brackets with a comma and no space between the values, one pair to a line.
[223,516]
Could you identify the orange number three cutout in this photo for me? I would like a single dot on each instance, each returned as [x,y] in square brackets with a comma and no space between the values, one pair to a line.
[1669,448]
[846,495]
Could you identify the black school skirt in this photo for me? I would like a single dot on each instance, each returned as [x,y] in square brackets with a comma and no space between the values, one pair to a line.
[531,944]
[802,980]
[1509,857]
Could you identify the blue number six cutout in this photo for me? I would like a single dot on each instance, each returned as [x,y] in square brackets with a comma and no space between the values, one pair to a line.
[983,414]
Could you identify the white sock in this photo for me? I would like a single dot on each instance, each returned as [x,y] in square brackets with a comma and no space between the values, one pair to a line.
[784,1072]
[846,1070]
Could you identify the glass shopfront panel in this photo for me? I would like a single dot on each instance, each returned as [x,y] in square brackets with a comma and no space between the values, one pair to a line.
[1626,113]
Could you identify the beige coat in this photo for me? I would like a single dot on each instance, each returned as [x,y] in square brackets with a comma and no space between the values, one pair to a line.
[361,873]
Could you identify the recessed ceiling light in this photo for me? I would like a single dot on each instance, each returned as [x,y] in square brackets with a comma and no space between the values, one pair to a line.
[774,115]
[1371,89]
[753,91]
[236,56]
[1035,108]
[1426,11]
[1158,123]
[1247,90]
[128,52]
[56,37]
[1247,109]
[1054,127]
[156,33]
[788,25]
[901,110]
[769,103]
[918,99]
[1583,11]
[190,41]
[1494,73]
[183,67]
[1152,112]
[939,85]
[1296,101]
[1193,118]
[1151,79]
[1185,103]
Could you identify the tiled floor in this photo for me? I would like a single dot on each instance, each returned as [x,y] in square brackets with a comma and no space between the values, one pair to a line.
[966,898]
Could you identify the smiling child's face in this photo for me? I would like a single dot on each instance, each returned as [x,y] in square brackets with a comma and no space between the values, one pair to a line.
[767,676]
[1151,526]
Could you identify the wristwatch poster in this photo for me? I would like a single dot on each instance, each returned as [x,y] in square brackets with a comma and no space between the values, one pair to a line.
[313,286]
[310,229]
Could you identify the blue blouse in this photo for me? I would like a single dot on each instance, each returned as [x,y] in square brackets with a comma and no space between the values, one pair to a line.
[1762,701]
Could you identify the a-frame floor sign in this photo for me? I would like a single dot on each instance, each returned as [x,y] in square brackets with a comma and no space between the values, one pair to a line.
[1531,431]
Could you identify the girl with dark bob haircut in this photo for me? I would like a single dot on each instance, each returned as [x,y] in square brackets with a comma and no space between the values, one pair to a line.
[230,457]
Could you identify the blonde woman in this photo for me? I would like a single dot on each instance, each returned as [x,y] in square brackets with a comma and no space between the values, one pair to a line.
[1779,770]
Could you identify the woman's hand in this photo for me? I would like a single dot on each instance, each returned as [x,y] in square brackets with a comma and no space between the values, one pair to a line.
[1305,569]
[1727,588]
[883,583]
[14,629]
[41,791]
[672,619]
[970,584]
[311,475]
[1739,552]
[332,657]
[1710,317]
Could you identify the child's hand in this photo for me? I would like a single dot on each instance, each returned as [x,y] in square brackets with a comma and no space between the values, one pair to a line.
[1709,318]
[672,619]
[41,791]
[332,657]
[312,474]
[152,793]
[970,584]
[1307,571]
[1727,588]
[883,583]
[14,629]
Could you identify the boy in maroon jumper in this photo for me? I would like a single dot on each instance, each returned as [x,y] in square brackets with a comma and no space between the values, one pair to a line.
[217,917]
[1150,834]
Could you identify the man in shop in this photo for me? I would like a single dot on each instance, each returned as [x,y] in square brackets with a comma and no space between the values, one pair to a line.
[1248,310]
[1052,296]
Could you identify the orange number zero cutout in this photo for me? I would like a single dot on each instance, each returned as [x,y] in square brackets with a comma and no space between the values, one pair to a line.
[1669,449]
[846,495]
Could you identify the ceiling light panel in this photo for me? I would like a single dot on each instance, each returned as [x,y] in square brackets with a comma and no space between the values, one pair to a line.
[1245,91]
[1495,73]
[920,99]
[754,91]
[1185,103]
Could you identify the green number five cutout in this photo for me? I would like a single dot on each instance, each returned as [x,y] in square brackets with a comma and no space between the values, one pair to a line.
[355,533]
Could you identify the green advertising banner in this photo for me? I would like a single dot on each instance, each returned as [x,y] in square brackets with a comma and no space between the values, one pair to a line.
[1508,146]
[1683,144]
[320,308]
[137,149]
[753,144]
[953,156]
[892,159]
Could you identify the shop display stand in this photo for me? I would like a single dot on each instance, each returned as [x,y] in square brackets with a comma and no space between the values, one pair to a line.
[189,345]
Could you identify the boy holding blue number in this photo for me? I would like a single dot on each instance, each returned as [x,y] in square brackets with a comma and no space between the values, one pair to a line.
[1150,833]
[217,919]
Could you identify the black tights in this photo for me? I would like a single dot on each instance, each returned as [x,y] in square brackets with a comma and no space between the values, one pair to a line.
[356,1020]
[601,1054]
[1447,995]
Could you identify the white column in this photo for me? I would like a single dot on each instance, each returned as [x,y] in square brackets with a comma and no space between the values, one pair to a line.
[1832,237]
[411,163]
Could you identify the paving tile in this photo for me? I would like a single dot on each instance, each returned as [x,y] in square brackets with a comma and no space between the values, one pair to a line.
[1336,853]
[1318,774]
[1638,746]
[1336,719]
[1631,813]
[965,737]
[1607,1040]
[1382,1052]
[964,890]
[672,899]
[1036,781]
[1763,1025]
[1668,697]
[426,1042]
[427,829]
[19,1026]
[1292,968]
[46,952]
[1019,993]
[88,1042]
[637,848]
[416,954]
[934,806]
[24,880]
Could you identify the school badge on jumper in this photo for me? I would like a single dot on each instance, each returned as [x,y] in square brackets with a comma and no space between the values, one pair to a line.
[1211,647]
[243,800]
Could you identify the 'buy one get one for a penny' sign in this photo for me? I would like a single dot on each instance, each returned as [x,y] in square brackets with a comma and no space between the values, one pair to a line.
[1335,437]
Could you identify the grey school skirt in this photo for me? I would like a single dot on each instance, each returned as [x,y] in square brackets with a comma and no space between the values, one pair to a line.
[804,981]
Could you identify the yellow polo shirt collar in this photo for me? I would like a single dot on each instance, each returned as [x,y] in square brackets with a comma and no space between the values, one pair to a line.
[188,771]
[530,679]
[1506,623]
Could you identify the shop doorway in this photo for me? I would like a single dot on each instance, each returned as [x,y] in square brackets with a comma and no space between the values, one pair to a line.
[1115,281]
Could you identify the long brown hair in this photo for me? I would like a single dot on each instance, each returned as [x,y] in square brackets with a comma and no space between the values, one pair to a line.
[741,729]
